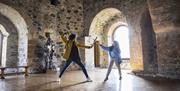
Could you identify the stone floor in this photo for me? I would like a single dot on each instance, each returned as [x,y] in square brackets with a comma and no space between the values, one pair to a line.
[75,81]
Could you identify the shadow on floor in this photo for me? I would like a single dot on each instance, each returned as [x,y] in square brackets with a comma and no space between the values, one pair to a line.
[74,84]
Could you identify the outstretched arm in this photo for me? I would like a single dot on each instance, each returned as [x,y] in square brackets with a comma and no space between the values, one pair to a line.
[83,46]
[104,47]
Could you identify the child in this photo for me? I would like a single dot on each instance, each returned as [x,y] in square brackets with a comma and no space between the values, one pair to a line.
[72,54]
[114,52]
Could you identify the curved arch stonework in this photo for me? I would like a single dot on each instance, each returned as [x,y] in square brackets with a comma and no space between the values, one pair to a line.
[101,28]
[5,35]
[21,26]
[104,16]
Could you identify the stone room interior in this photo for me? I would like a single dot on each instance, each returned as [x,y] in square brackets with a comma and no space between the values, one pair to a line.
[32,45]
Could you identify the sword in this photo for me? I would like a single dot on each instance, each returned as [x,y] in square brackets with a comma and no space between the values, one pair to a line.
[95,40]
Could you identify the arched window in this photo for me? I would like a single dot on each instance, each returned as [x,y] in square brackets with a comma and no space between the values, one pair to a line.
[3,45]
[121,34]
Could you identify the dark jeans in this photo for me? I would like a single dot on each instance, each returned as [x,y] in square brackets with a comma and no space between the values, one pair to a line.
[77,61]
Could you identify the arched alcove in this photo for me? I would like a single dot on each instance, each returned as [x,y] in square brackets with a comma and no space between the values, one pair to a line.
[113,28]
[121,35]
[148,43]
[12,42]
[100,27]
[3,45]
[20,25]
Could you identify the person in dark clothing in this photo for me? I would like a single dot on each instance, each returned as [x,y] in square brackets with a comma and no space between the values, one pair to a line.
[48,52]
[72,54]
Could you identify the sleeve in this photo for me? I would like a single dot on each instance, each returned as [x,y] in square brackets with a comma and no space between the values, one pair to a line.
[82,46]
[64,39]
[118,50]
[105,48]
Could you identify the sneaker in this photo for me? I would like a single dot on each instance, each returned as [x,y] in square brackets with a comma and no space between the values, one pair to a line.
[106,79]
[59,79]
[89,80]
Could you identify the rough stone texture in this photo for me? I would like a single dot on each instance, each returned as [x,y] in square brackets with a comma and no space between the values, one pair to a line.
[12,42]
[148,43]
[101,28]
[77,15]
[19,24]
[154,37]
[1,37]
[165,20]
[41,17]
[39,64]
[133,11]
[168,54]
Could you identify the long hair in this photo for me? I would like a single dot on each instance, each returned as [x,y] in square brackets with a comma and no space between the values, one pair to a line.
[72,37]
[115,45]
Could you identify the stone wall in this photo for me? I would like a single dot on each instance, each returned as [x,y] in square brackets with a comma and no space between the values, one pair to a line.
[148,43]
[12,42]
[162,36]
[166,23]
[76,16]
[100,28]
[13,18]
[132,10]
[41,16]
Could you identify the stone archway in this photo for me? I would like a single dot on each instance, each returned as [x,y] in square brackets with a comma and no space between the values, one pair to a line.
[3,46]
[112,29]
[148,43]
[20,24]
[100,28]
[123,44]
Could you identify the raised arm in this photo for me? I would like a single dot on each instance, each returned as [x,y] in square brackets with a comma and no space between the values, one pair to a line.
[63,37]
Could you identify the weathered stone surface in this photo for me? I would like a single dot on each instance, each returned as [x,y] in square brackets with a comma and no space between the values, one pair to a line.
[12,42]
[41,17]
[165,20]
[16,20]
[153,24]
[132,11]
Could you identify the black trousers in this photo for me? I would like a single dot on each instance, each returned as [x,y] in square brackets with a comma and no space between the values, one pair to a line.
[77,61]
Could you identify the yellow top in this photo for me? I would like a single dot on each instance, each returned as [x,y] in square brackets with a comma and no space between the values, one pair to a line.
[69,45]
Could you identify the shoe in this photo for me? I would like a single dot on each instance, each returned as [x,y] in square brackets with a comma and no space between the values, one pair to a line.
[106,79]
[89,80]
[59,79]
[120,78]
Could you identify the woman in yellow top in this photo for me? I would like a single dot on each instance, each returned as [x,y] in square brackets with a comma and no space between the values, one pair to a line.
[72,54]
